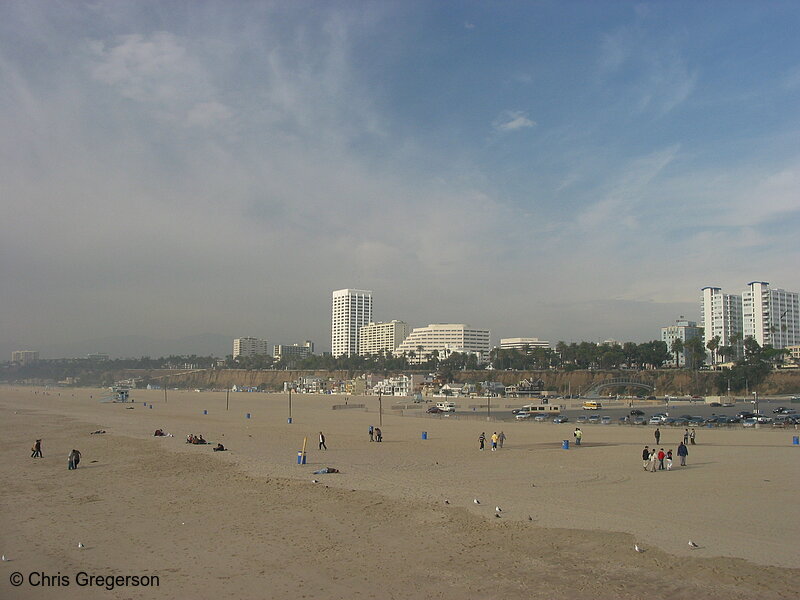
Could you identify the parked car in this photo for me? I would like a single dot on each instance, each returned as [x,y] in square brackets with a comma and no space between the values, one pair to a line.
[582,419]
[561,419]
[745,415]
[541,418]
[728,404]
[654,420]
[638,421]
[605,420]
[749,422]
[624,419]
[433,410]
[637,413]
[763,419]
[594,419]
[781,410]
[521,416]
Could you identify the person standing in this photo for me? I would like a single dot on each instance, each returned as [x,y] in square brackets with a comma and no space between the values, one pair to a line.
[657,435]
[73,459]
[494,441]
[685,436]
[683,452]
[501,438]
[691,436]
[482,439]
[578,434]
[371,433]
[653,460]
[378,434]
[645,457]
[669,460]
[661,456]
[322,441]
[36,451]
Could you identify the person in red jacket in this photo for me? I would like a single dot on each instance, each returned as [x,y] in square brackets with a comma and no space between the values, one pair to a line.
[661,456]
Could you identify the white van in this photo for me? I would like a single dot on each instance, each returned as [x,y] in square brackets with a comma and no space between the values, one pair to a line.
[446,406]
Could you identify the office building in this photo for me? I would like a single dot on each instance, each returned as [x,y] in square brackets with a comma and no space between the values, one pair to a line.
[295,351]
[24,357]
[683,330]
[445,338]
[375,338]
[249,346]
[721,316]
[521,343]
[351,310]
[770,316]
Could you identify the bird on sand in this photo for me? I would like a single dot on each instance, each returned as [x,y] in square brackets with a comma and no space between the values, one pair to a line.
[638,548]
[476,501]
[446,501]
[498,509]
[693,545]
[81,545]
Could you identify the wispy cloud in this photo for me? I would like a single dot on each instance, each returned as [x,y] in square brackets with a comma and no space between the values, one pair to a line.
[512,120]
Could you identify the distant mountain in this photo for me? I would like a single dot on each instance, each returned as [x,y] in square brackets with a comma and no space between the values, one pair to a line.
[134,346]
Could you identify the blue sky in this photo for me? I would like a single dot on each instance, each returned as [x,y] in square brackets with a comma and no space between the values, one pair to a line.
[561,170]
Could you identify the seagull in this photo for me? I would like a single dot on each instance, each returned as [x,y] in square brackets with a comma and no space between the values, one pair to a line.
[638,548]
[4,558]
[447,501]
[530,518]
[476,501]
[692,544]
[498,509]
[315,481]
[81,545]
[496,515]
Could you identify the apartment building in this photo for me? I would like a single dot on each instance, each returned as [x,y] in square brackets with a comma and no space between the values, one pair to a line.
[683,330]
[521,342]
[770,316]
[297,351]
[445,338]
[351,310]
[375,338]
[25,357]
[721,316]
[250,346]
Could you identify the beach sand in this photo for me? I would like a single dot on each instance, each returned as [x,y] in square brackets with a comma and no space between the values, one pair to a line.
[249,523]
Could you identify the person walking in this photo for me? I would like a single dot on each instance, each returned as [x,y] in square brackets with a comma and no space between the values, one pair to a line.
[685,436]
[371,433]
[669,460]
[36,451]
[661,456]
[73,459]
[657,435]
[501,438]
[645,457]
[378,434]
[322,441]
[653,460]
[494,441]
[578,435]
[683,452]
[691,436]
[482,439]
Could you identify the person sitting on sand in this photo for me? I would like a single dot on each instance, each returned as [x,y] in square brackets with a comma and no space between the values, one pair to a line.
[325,470]
[219,448]
[190,438]
[98,431]
[158,433]
[73,459]
[199,440]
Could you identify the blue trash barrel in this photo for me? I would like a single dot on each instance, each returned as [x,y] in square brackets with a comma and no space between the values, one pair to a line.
[205,412]
[565,445]
[289,420]
[301,457]
[796,440]
[247,416]
[424,435]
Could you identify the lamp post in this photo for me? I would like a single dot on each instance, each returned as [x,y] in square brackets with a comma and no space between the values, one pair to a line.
[290,405]
[380,408]
[755,403]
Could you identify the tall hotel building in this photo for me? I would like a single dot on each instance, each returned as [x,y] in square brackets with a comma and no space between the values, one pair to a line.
[249,346]
[722,315]
[770,316]
[377,337]
[352,309]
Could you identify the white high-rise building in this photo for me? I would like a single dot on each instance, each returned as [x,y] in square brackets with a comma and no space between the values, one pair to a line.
[445,338]
[721,316]
[352,309]
[376,337]
[683,330]
[770,316]
[249,346]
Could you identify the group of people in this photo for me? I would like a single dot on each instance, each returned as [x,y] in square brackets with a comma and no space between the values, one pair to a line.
[497,439]
[688,436]
[195,439]
[657,460]
[375,434]
[73,458]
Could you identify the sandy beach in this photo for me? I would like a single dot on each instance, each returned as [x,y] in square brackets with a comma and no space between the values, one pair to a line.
[398,521]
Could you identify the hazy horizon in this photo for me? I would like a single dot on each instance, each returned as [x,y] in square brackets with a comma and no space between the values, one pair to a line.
[568,171]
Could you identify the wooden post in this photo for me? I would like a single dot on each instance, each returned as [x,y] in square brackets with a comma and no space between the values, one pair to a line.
[380,408]
[227,398]
[165,393]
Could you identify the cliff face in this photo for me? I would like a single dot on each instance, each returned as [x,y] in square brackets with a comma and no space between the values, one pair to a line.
[673,382]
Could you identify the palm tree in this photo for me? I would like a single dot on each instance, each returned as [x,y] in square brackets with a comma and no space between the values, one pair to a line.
[677,347]
[713,345]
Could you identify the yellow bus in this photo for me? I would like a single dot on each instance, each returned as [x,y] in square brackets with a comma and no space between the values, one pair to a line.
[592,405]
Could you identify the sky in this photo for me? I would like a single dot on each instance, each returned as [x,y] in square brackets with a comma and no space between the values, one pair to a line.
[561,170]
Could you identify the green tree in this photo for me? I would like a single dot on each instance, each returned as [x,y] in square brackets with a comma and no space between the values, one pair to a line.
[677,347]
[713,346]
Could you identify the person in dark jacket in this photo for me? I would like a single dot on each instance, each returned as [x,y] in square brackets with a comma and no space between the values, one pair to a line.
[683,452]
[645,457]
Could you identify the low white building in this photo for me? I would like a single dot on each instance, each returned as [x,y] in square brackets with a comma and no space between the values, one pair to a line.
[444,339]
[250,346]
[375,338]
[520,343]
